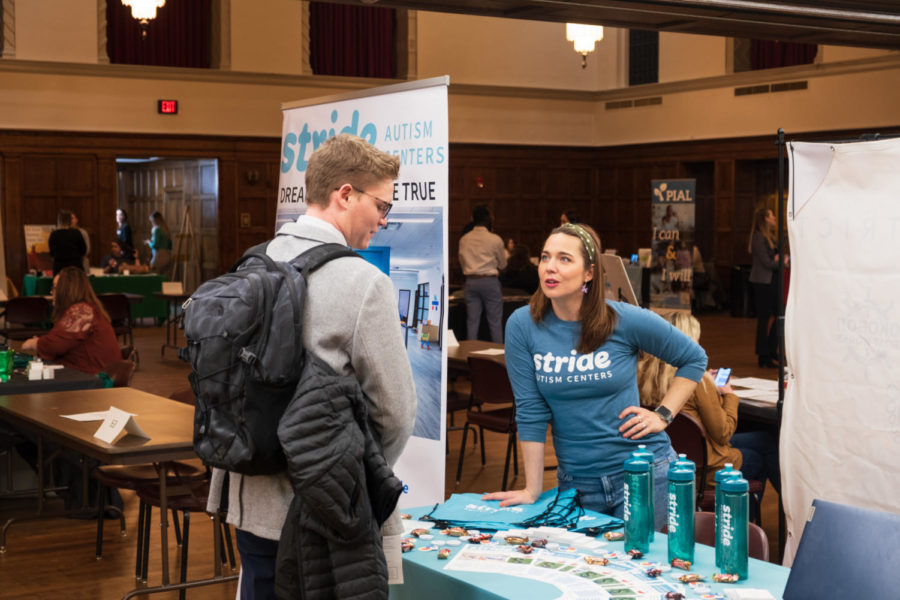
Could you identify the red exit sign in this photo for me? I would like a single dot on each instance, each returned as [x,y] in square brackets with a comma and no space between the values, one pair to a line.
[167,107]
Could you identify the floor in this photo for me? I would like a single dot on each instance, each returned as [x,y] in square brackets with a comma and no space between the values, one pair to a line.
[54,557]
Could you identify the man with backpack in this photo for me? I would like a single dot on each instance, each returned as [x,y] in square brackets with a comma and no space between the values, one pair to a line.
[350,323]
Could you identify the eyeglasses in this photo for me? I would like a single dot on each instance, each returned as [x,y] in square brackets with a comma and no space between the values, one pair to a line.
[383,207]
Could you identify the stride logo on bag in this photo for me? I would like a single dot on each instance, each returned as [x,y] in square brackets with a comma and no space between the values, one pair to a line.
[244,342]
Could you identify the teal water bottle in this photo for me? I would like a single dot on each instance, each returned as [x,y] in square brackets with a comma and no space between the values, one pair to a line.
[726,472]
[643,454]
[734,525]
[682,504]
[638,516]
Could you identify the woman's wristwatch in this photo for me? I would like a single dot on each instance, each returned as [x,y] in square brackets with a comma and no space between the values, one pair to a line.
[665,414]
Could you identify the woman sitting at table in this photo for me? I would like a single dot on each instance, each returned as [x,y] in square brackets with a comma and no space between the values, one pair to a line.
[754,453]
[82,337]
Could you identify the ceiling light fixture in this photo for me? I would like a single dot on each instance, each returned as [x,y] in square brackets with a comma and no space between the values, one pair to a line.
[584,37]
[144,11]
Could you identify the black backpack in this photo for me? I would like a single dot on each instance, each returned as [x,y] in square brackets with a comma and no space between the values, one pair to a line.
[245,346]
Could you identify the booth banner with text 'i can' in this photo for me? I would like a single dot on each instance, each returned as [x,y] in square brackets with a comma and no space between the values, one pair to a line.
[672,222]
[408,120]
[840,431]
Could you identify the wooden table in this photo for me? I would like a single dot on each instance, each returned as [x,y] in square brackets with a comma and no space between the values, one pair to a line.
[169,424]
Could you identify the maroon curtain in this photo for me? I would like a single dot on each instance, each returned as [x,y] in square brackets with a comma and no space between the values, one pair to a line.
[355,41]
[179,36]
[765,54]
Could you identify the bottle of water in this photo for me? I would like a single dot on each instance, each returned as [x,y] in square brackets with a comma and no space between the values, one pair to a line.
[734,525]
[643,454]
[726,472]
[682,504]
[638,516]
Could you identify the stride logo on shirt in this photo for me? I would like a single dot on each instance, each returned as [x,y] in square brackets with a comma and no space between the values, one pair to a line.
[585,366]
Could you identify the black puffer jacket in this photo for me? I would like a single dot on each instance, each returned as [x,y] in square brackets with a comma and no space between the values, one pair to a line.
[343,491]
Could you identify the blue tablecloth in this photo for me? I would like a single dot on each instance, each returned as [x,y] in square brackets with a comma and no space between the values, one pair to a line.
[425,577]
[145,285]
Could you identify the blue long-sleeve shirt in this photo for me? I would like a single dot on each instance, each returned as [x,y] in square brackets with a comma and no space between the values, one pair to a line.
[581,395]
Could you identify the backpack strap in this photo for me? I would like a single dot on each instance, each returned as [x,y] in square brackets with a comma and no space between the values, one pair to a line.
[317,256]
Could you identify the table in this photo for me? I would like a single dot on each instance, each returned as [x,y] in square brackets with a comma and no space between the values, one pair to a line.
[169,424]
[63,380]
[173,318]
[425,577]
[144,285]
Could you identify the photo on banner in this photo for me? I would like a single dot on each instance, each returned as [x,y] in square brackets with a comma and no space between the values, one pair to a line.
[672,225]
[410,121]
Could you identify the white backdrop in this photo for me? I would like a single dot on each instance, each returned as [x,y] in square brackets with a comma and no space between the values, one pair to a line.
[408,120]
[840,436]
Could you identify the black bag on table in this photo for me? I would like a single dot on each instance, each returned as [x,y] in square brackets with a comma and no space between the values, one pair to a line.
[245,346]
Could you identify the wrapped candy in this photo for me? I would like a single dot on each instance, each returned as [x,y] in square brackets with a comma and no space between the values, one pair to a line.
[539,543]
[725,577]
[635,553]
[525,549]
[443,553]
[515,540]
[419,532]
[681,564]
[596,560]
[614,536]
[690,578]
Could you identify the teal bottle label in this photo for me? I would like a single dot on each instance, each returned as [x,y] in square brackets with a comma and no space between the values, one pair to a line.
[681,520]
[638,518]
[733,534]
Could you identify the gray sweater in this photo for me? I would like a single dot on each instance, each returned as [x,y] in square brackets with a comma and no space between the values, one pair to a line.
[351,324]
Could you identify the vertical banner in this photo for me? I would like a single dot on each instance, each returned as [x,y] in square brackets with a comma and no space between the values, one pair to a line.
[408,120]
[840,428]
[672,222]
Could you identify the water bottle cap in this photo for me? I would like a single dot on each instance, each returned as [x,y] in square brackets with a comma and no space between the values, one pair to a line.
[683,463]
[726,473]
[678,472]
[643,454]
[637,465]
[735,484]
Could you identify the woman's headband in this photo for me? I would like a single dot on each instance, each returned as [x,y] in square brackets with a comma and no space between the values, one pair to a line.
[585,238]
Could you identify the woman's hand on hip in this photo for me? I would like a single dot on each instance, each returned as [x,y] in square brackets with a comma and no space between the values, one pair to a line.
[639,422]
[512,497]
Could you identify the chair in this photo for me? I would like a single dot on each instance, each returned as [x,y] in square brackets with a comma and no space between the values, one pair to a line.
[490,385]
[131,477]
[121,372]
[119,311]
[705,533]
[26,316]
[689,438]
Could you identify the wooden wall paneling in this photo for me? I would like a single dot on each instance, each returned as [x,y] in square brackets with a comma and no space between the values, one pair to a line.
[229,245]
[103,218]
[13,233]
[746,198]
[705,208]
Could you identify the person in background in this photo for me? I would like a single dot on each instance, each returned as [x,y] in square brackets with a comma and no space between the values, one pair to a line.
[66,243]
[572,360]
[482,257]
[754,453]
[351,325]
[764,253]
[569,216]
[160,243]
[115,259]
[510,247]
[82,337]
[520,273]
[86,261]
[123,229]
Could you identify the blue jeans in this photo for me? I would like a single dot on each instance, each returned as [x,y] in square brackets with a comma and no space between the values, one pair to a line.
[606,494]
[759,450]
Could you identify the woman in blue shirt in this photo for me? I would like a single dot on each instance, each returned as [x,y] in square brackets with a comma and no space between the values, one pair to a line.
[572,357]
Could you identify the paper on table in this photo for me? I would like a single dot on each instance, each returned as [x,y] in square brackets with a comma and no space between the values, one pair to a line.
[88,416]
[489,351]
[117,420]
[451,339]
[761,395]
[755,383]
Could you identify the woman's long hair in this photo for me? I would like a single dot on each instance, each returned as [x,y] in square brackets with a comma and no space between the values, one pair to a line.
[655,375]
[73,287]
[160,222]
[597,319]
[760,225]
